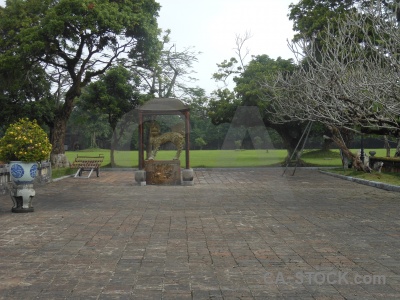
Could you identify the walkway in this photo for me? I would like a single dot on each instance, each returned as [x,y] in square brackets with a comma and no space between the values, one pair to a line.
[235,234]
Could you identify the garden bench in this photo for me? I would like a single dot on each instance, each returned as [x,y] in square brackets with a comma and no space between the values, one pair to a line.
[87,163]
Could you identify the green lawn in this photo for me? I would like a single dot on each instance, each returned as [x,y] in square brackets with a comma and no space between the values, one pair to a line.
[223,158]
[389,178]
[236,159]
[198,159]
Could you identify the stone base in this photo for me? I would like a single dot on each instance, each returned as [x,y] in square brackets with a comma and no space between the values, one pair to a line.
[22,196]
[187,177]
[163,172]
[140,177]
[187,183]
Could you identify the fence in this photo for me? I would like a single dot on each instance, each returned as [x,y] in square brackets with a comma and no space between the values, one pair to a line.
[43,176]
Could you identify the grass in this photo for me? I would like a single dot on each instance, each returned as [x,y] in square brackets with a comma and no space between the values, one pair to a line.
[198,159]
[238,159]
[389,178]
[223,158]
[61,172]
[322,158]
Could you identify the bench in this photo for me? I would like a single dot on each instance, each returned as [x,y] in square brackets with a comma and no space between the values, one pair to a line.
[87,163]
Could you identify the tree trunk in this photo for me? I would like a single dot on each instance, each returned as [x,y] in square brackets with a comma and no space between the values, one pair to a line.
[326,145]
[93,143]
[290,136]
[57,139]
[114,143]
[386,145]
[357,163]
[397,154]
[57,136]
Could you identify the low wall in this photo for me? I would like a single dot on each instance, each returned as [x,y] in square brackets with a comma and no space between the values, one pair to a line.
[4,178]
[43,176]
[390,164]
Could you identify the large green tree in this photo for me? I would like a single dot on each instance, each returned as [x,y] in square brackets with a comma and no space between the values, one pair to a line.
[114,95]
[75,41]
[311,17]
[249,92]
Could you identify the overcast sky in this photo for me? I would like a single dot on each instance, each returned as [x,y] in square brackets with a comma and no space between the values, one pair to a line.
[210,27]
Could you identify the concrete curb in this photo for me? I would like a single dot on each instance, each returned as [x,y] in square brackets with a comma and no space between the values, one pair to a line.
[61,178]
[375,184]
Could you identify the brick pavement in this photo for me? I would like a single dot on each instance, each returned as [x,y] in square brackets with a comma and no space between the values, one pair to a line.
[235,234]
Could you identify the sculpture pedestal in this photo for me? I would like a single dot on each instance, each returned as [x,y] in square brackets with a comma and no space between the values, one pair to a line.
[163,172]
[22,196]
[188,176]
[140,177]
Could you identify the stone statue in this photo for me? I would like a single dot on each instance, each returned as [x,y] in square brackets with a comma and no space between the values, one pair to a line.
[176,137]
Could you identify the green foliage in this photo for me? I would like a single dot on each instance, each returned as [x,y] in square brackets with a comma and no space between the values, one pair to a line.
[87,127]
[238,144]
[222,106]
[226,69]
[74,41]
[114,94]
[260,69]
[200,142]
[310,17]
[248,90]
[258,142]
[25,141]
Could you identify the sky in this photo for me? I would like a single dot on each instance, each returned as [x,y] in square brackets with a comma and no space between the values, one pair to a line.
[210,27]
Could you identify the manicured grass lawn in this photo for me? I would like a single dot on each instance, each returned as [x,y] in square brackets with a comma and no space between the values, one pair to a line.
[389,178]
[237,159]
[198,159]
[223,158]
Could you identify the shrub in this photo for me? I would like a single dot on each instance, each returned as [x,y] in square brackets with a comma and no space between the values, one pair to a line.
[25,141]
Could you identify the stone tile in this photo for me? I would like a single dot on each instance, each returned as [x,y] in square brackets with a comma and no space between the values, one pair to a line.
[108,238]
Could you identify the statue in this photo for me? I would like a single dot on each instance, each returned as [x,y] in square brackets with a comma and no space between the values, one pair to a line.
[176,136]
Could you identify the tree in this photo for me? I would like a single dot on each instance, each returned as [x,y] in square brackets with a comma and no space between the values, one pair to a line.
[23,93]
[310,17]
[249,92]
[76,40]
[350,83]
[87,127]
[168,75]
[200,142]
[114,95]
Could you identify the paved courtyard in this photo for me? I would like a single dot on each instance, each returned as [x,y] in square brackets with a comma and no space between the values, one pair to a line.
[235,234]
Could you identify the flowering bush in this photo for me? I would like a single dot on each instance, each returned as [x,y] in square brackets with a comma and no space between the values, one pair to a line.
[25,141]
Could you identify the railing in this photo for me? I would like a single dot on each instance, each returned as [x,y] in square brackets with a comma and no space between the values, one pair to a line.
[43,176]
[4,179]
